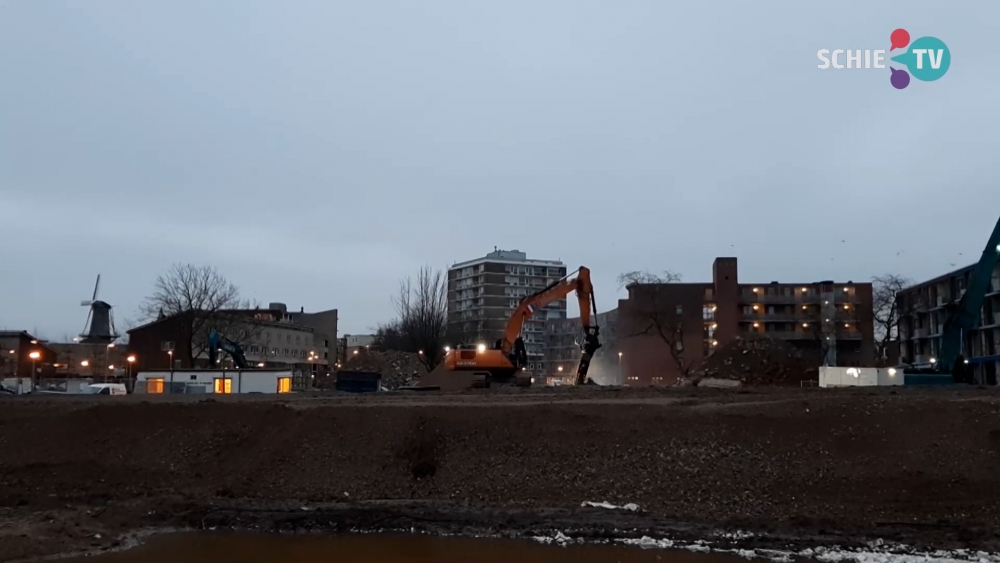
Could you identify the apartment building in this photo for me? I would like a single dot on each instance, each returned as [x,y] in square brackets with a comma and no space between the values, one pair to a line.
[562,354]
[271,338]
[665,330]
[923,309]
[483,293]
[352,344]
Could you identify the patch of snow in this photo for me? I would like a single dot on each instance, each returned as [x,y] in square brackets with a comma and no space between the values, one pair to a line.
[737,535]
[875,552]
[630,506]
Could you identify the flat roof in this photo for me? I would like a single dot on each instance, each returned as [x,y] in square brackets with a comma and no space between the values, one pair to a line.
[208,370]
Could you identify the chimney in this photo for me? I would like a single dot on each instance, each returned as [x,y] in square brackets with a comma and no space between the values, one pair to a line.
[302,309]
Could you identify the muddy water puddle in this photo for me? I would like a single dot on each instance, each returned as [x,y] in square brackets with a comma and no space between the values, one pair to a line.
[359,548]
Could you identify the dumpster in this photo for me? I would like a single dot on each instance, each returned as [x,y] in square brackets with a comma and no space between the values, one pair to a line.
[357,381]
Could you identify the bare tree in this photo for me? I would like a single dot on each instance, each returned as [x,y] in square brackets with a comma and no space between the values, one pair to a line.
[203,300]
[657,318]
[421,324]
[885,309]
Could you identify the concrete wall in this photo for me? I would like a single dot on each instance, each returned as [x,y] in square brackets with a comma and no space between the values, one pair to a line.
[832,376]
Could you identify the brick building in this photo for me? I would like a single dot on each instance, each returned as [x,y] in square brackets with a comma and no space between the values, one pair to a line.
[923,309]
[483,293]
[664,329]
[16,347]
[271,338]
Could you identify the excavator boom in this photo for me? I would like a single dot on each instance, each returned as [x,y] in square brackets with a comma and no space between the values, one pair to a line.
[509,357]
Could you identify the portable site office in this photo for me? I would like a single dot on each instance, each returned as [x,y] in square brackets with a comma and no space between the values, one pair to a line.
[223,381]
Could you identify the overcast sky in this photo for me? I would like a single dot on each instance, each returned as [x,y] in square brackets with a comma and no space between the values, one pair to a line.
[317,152]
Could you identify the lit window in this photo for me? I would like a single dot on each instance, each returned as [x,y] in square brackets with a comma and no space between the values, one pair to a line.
[284,385]
[223,385]
[154,386]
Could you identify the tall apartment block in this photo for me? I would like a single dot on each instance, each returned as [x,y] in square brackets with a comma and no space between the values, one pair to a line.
[483,293]
[923,309]
[828,321]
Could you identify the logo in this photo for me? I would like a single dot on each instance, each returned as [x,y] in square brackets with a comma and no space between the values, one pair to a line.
[927,59]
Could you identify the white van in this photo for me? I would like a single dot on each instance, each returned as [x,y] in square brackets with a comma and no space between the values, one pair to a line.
[105,389]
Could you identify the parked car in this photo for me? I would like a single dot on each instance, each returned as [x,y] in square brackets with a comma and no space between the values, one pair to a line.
[105,389]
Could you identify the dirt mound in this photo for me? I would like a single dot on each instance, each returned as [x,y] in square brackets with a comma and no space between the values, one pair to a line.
[786,462]
[397,368]
[759,361]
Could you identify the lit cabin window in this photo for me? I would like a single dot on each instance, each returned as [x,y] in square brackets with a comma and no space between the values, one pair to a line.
[284,385]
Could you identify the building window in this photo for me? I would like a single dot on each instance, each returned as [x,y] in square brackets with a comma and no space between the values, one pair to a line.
[284,385]
[154,386]
[223,385]
[708,312]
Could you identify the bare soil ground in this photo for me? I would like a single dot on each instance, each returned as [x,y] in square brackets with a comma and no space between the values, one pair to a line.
[797,467]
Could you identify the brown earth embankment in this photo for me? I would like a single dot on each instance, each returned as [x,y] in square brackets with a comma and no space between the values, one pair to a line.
[915,466]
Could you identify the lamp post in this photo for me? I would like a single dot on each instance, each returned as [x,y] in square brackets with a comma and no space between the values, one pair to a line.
[620,368]
[129,372]
[34,358]
[170,359]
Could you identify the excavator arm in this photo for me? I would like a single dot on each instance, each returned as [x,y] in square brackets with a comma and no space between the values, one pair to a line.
[218,342]
[513,346]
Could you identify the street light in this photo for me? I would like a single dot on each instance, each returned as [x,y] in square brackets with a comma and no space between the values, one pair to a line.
[619,368]
[84,363]
[34,356]
[128,366]
[447,349]
[170,359]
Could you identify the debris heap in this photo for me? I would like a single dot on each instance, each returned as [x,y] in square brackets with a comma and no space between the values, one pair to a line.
[759,361]
[397,368]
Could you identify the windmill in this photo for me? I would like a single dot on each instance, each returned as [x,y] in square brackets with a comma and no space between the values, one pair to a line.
[100,327]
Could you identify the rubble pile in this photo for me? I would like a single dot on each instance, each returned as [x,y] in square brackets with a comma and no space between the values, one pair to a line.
[397,368]
[759,361]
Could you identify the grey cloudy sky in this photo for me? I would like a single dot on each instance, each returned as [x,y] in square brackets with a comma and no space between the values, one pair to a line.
[316,152]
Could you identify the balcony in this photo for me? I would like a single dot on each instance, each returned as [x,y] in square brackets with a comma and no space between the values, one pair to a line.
[750,299]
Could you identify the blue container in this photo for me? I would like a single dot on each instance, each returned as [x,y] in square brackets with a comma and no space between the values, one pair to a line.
[357,381]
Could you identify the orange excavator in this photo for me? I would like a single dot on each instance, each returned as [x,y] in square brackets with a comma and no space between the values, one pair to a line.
[505,362]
